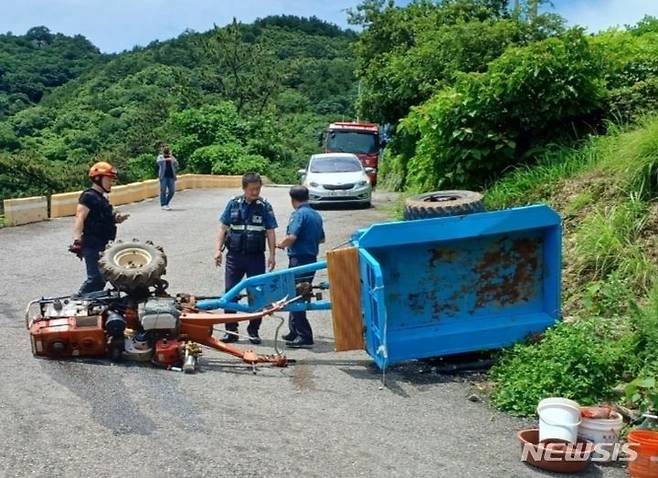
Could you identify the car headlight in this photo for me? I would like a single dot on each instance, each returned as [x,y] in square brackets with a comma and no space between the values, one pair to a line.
[313,184]
[363,183]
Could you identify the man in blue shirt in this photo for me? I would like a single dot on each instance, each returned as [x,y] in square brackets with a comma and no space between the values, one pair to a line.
[304,235]
[246,224]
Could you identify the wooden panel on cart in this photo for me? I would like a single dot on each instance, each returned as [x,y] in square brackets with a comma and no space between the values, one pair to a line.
[343,270]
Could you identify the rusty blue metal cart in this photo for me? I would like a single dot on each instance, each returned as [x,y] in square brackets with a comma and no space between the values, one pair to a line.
[442,286]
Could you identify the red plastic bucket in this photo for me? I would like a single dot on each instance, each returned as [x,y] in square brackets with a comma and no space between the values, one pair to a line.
[645,443]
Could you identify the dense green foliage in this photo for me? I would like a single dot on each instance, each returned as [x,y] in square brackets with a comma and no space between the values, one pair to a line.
[528,96]
[407,54]
[260,91]
[472,87]
[35,63]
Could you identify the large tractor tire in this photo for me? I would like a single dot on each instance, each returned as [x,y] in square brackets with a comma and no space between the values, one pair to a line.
[443,203]
[133,265]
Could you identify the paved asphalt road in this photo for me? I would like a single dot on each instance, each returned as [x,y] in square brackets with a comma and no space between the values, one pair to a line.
[324,416]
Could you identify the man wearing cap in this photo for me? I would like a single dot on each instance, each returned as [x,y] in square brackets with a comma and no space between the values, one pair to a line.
[95,224]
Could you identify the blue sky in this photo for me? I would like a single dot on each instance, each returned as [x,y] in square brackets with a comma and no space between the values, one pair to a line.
[115,25]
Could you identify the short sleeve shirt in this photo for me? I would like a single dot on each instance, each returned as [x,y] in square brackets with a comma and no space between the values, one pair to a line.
[99,226]
[306,224]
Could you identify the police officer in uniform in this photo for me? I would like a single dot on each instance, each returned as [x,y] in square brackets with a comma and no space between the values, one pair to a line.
[95,224]
[247,223]
[303,237]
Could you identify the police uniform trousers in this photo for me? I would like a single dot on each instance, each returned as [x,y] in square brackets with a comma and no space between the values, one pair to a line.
[238,265]
[297,321]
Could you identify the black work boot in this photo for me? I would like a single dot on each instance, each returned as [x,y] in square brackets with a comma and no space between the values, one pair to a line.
[229,337]
[289,337]
[254,338]
[300,343]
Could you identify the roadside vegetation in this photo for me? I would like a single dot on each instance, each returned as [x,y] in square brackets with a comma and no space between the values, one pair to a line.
[604,350]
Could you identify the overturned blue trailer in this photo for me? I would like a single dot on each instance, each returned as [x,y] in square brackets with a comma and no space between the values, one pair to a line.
[441,286]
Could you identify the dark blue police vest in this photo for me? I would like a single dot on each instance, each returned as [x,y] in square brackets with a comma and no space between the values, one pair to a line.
[247,234]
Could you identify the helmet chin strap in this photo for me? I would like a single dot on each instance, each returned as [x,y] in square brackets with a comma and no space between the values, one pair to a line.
[98,180]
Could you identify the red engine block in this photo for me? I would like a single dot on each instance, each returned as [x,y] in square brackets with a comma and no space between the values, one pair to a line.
[68,337]
[168,352]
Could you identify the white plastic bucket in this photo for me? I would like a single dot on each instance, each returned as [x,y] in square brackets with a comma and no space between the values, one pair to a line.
[602,430]
[559,419]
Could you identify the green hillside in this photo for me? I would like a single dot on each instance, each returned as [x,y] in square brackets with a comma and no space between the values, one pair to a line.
[242,96]
[34,64]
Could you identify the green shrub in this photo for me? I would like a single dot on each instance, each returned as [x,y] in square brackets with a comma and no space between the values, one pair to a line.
[642,392]
[242,164]
[471,132]
[391,172]
[8,139]
[631,103]
[282,173]
[628,58]
[142,167]
[26,175]
[583,361]
[610,297]
[645,322]
[226,159]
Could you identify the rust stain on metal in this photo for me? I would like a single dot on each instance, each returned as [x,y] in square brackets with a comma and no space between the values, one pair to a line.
[455,296]
[443,308]
[419,300]
[507,272]
[415,302]
[442,254]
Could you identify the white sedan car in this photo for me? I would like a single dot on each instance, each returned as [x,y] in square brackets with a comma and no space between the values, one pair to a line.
[337,178]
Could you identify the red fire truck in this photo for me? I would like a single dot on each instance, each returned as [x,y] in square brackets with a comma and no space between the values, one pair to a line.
[361,139]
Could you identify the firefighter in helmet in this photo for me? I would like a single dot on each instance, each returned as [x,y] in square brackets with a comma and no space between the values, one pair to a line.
[95,224]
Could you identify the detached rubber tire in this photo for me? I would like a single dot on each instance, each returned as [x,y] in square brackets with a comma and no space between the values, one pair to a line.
[132,265]
[443,203]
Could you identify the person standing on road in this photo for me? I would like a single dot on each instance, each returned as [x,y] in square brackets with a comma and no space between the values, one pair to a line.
[95,224]
[247,222]
[167,165]
[303,238]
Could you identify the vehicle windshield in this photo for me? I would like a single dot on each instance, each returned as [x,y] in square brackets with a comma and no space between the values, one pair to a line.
[335,165]
[352,142]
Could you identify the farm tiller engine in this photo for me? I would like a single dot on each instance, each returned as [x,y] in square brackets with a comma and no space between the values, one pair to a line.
[138,320]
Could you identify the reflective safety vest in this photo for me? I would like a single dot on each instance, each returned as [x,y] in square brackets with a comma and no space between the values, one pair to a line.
[247,234]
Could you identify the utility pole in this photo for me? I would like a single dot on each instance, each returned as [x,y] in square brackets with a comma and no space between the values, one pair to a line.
[358,96]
